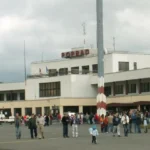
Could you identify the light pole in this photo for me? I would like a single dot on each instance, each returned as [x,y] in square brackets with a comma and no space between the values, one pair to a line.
[101,98]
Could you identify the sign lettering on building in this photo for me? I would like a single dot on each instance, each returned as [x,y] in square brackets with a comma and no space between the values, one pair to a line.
[75,53]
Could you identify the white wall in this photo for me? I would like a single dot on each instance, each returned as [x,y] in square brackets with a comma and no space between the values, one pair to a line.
[81,87]
[12,86]
[143,61]
[68,63]
[32,87]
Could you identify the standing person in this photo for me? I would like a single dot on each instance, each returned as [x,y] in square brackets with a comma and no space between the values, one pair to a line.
[65,121]
[138,123]
[51,119]
[130,123]
[125,122]
[40,126]
[145,123]
[18,126]
[106,124]
[133,118]
[32,126]
[116,124]
[94,133]
[110,123]
[47,120]
[102,123]
[59,117]
[75,122]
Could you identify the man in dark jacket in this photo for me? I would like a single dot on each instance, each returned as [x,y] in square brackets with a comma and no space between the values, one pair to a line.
[116,125]
[138,123]
[65,121]
[32,126]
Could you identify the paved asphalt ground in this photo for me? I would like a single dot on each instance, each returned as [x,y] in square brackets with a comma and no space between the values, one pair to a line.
[54,140]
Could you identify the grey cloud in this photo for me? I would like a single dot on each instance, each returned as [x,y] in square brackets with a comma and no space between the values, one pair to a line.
[53,26]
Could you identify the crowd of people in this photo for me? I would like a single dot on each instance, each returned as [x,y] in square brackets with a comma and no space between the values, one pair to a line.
[110,123]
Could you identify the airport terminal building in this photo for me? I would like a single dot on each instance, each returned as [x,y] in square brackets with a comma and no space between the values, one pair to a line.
[70,84]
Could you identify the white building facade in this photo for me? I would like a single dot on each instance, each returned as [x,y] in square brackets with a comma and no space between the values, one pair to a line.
[70,84]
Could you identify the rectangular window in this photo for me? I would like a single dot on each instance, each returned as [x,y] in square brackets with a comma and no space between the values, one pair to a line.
[135,65]
[63,71]
[145,87]
[53,72]
[119,89]
[107,90]
[131,88]
[123,66]
[22,96]
[9,96]
[95,68]
[49,89]
[75,70]
[1,97]
[14,96]
[85,69]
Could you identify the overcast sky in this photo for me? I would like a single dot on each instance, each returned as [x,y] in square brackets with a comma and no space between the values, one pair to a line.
[53,26]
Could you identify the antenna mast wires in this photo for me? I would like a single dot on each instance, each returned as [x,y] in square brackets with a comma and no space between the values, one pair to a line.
[84,34]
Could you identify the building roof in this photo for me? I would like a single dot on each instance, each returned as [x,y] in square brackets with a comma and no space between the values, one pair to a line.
[89,56]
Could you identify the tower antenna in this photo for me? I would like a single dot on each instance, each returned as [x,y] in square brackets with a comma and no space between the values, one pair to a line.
[114,43]
[84,33]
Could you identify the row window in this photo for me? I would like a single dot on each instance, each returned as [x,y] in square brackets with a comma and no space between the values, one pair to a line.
[74,70]
[12,96]
[131,88]
[49,89]
[119,89]
[145,87]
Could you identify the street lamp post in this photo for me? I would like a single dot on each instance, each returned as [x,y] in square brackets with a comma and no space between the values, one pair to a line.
[101,98]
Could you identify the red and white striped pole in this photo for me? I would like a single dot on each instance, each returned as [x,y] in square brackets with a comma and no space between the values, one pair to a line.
[101,98]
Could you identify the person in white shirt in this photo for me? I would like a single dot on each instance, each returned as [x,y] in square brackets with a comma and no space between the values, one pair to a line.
[145,122]
[40,126]
[94,133]
[125,122]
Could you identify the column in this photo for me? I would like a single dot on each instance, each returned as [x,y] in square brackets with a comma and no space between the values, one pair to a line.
[90,69]
[23,111]
[114,89]
[126,88]
[33,110]
[61,109]
[80,69]
[12,111]
[139,86]
[5,98]
[42,111]
[18,96]
[80,109]
[50,107]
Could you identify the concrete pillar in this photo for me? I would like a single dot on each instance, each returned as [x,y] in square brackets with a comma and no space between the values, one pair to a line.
[139,86]
[126,88]
[12,111]
[80,109]
[23,111]
[33,110]
[42,111]
[61,110]
[90,69]
[50,107]
[5,98]
[18,96]
[114,89]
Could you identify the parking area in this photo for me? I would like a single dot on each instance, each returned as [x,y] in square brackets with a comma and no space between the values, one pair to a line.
[54,140]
